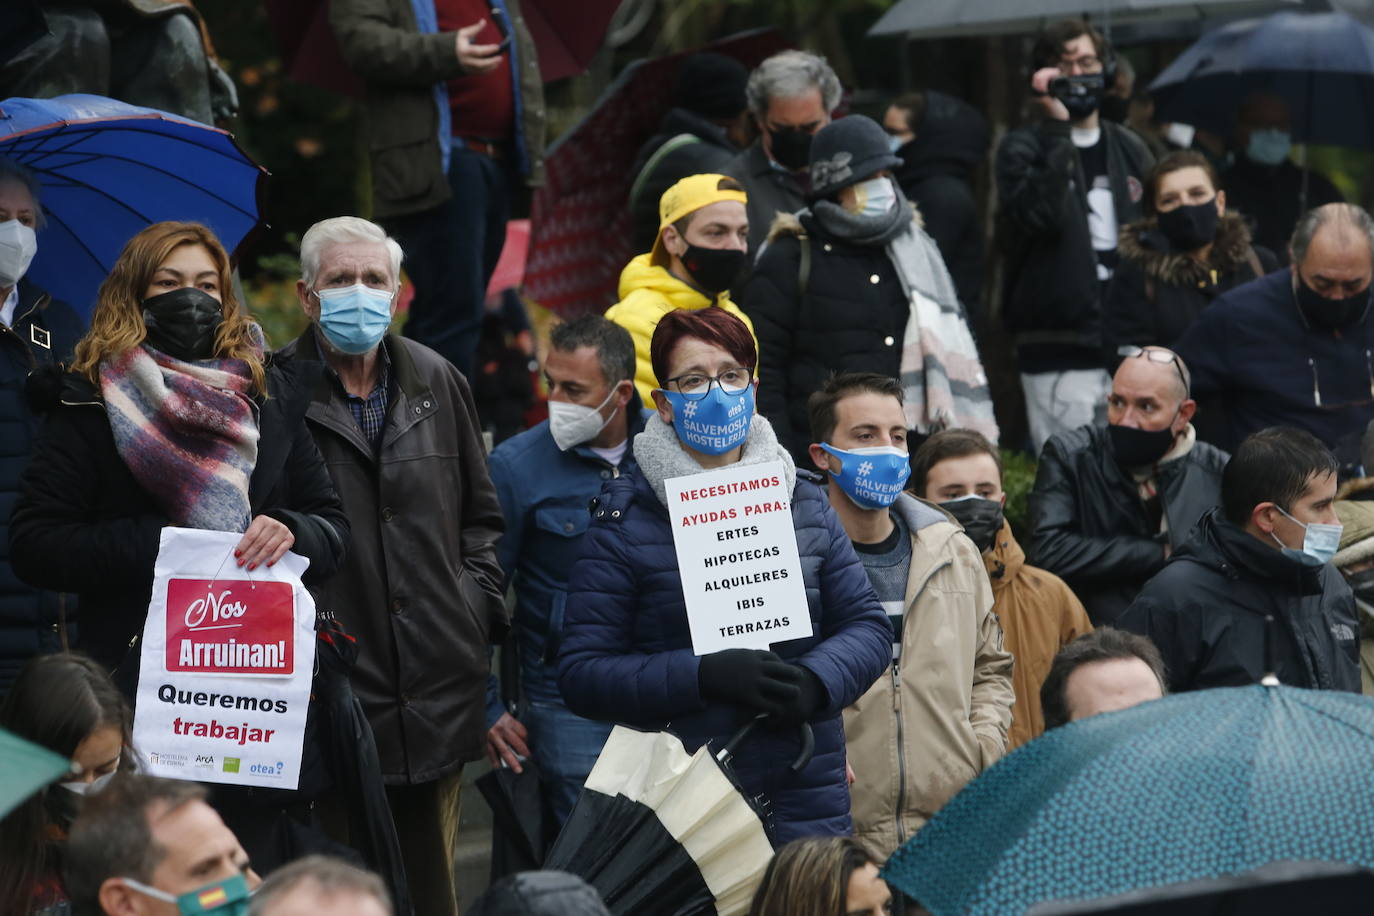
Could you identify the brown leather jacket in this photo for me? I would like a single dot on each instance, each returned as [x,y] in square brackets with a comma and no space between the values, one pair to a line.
[1039,615]
[421,590]
[399,67]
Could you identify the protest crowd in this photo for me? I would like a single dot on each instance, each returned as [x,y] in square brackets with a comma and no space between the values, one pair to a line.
[758,615]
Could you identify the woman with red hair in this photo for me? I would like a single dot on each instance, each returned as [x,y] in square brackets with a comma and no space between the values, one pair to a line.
[627,648]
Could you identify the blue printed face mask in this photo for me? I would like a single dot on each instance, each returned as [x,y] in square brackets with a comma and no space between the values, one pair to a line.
[1319,542]
[872,477]
[715,423]
[354,318]
[1269,147]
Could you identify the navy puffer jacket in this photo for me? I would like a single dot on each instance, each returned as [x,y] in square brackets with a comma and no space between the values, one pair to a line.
[627,650]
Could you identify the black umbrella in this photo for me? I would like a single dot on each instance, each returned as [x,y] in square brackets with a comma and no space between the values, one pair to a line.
[1277,889]
[658,830]
[522,824]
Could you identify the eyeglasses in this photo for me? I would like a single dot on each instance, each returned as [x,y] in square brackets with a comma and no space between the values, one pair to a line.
[694,386]
[1317,388]
[1086,64]
[1156,355]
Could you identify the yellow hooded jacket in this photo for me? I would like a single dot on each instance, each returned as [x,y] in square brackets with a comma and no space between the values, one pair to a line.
[647,293]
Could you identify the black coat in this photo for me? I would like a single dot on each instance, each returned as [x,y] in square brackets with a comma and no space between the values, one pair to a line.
[1271,195]
[850,320]
[937,175]
[1156,294]
[28,616]
[699,148]
[1206,612]
[1090,528]
[83,523]
[1253,350]
[1052,299]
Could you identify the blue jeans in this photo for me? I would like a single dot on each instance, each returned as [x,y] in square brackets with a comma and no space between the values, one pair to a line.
[450,254]
[565,746]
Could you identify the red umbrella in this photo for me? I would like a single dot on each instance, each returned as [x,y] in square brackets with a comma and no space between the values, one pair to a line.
[580,219]
[567,36]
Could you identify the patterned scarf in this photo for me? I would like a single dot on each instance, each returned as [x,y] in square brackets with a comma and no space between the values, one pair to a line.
[188,432]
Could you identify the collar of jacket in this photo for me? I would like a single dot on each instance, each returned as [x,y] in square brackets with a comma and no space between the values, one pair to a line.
[1236,547]
[760,166]
[1005,559]
[931,530]
[1143,243]
[641,273]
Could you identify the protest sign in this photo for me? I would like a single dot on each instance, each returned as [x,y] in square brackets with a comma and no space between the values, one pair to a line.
[737,556]
[225,666]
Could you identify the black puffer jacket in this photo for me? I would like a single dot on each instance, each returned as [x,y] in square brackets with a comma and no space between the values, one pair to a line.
[1207,610]
[44,333]
[699,148]
[1090,528]
[83,523]
[937,174]
[850,320]
[1052,299]
[1156,294]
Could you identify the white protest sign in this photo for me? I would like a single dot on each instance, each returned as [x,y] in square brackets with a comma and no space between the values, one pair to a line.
[227,659]
[737,555]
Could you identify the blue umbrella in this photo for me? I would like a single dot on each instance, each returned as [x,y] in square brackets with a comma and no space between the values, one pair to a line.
[1191,787]
[1322,64]
[109,169]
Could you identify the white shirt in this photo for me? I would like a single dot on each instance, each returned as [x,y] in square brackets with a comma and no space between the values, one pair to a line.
[613,454]
[11,303]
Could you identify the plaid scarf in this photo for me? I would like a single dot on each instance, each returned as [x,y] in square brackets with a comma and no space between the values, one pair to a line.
[188,432]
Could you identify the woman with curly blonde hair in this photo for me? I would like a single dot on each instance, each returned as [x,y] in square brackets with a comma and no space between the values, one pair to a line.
[171,415]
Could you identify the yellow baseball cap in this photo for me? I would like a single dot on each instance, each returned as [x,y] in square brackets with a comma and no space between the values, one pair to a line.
[688,196]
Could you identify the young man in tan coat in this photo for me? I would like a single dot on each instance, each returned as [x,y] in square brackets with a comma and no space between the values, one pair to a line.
[940,716]
[960,471]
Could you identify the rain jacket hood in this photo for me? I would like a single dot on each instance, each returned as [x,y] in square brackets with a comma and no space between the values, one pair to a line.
[952,139]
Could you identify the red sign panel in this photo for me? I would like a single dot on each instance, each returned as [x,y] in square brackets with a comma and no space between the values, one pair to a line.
[230,626]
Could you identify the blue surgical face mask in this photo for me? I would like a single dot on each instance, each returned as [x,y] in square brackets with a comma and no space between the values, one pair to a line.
[871,477]
[894,142]
[1269,147]
[874,197]
[1319,542]
[354,318]
[716,423]
[223,898]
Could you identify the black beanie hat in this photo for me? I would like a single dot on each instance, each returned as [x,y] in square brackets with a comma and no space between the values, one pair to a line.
[711,85]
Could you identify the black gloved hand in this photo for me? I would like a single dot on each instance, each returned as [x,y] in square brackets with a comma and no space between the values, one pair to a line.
[751,678]
[811,697]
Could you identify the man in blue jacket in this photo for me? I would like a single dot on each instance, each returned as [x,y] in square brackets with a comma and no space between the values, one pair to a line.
[1294,348]
[545,477]
[35,330]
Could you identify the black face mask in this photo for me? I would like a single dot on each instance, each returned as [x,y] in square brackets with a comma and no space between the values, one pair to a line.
[1115,108]
[183,323]
[981,518]
[1190,226]
[1330,314]
[1137,448]
[1362,584]
[791,147]
[714,270]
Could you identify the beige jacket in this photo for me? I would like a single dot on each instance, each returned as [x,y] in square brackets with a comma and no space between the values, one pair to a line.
[922,732]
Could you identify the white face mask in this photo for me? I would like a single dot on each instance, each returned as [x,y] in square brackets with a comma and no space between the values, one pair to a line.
[874,197]
[574,424]
[94,787]
[18,245]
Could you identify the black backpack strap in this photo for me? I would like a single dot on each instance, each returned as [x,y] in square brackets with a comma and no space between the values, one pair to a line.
[803,264]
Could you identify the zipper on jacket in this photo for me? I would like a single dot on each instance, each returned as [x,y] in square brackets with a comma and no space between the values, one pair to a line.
[901,750]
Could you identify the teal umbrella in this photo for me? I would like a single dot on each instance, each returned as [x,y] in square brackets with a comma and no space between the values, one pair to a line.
[1191,787]
[24,769]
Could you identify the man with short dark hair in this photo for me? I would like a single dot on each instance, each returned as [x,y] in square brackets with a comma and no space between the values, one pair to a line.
[1102,671]
[320,886]
[941,717]
[1065,185]
[1110,502]
[1253,592]
[1293,348]
[545,477]
[145,845]
[960,471]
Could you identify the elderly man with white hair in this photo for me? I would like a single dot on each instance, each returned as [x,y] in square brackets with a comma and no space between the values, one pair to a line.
[791,96]
[422,589]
